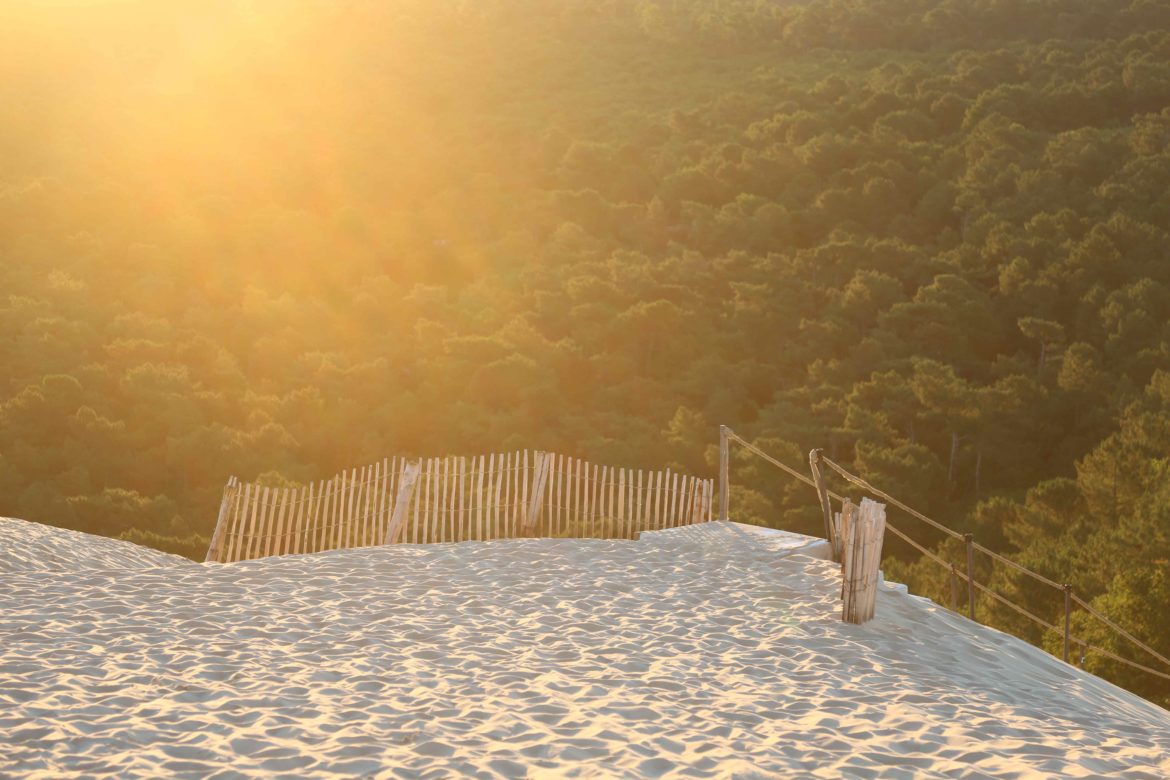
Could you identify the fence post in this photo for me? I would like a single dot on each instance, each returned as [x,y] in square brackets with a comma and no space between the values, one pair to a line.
[213,551]
[861,557]
[539,480]
[405,490]
[970,540]
[723,467]
[814,464]
[1067,616]
[954,588]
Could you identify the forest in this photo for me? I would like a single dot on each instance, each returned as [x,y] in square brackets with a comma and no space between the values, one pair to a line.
[274,240]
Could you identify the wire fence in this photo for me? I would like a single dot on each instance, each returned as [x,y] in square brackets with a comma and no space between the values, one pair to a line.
[818,463]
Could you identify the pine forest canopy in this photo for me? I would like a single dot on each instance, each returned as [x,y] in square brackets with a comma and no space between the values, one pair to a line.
[278,239]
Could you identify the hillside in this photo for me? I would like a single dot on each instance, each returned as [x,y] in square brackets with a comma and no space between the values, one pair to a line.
[275,240]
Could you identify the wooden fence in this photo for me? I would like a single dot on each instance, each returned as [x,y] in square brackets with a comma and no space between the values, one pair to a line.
[455,499]
[860,531]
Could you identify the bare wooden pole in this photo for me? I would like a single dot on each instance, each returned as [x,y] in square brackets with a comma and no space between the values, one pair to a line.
[1067,618]
[954,588]
[402,501]
[723,468]
[814,464]
[970,541]
[217,535]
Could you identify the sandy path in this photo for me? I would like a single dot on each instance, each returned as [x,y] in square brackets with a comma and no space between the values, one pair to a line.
[700,652]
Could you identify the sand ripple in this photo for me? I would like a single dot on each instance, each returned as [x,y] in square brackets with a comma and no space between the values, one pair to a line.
[702,652]
[28,546]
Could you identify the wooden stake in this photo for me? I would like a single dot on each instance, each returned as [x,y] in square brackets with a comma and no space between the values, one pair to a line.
[723,471]
[464,524]
[243,501]
[814,464]
[479,532]
[406,485]
[970,541]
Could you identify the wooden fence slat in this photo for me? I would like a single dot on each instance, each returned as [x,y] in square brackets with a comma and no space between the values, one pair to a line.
[280,528]
[327,529]
[558,524]
[264,549]
[452,518]
[305,517]
[346,494]
[503,497]
[216,534]
[677,502]
[239,546]
[428,510]
[255,523]
[256,538]
[322,512]
[385,505]
[440,500]
[420,501]
[519,478]
[611,507]
[598,487]
[671,499]
[406,485]
[239,518]
[280,541]
[358,487]
[586,518]
[478,479]
[620,530]
[463,534]
[339,524]
[660,503]
[572,494]
[642,499]
[449,482]
[541,466]
[527,477]
[332,514]
[365,502]
[443,475]
[359,495]
[239,511]
[256,542]
[494,499]
[303,506]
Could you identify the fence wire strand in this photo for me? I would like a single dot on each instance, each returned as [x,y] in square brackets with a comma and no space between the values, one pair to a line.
[866,486]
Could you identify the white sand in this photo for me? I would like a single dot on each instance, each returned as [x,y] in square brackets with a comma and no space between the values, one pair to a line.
[33,547]
[704,652]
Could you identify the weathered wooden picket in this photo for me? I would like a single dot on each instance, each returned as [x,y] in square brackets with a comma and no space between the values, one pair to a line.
[860,532]
[455,499]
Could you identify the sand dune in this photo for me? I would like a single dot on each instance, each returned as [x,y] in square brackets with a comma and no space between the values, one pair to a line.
[28,546]
[708,651]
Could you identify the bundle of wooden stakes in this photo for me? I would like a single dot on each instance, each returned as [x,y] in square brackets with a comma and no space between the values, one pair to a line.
[859,532]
